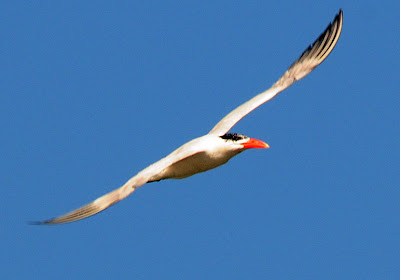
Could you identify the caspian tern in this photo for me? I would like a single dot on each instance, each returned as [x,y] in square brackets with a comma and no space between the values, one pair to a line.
[218,146]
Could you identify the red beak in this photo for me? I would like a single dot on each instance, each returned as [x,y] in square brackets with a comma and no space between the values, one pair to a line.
[255,143]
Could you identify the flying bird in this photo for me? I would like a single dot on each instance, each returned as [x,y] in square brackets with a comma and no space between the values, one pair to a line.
[218,146]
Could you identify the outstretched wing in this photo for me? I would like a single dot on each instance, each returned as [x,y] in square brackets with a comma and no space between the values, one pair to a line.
[97,205]
[119,194]
[311,58]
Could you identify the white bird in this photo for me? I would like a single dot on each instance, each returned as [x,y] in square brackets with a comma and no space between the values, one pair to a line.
[218,146]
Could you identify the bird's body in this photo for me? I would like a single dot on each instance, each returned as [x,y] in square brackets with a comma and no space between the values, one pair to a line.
[218,146]
[204,153]
[205,158]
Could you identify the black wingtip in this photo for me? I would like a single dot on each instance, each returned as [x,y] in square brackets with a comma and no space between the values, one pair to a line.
[35,223]
[39,223]
[339,15]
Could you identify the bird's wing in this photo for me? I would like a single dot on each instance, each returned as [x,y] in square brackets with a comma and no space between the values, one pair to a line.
[310,58]
[119,194]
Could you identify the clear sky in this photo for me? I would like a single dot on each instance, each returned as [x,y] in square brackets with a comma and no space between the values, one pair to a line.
[92,92]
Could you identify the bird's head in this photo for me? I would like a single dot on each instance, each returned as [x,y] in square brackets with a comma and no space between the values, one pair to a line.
[243,141]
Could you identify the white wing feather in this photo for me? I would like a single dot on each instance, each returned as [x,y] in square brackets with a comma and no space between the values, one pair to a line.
[130,186]
[311,58]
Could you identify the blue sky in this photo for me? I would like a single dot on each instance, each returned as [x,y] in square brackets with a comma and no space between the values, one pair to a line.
[91,93]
